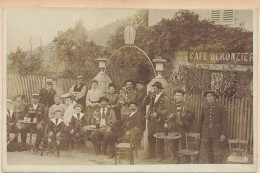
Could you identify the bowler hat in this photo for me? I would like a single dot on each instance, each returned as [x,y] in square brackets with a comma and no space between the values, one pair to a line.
[140,82]
[210,91]
[36,96]
[129,80]
[158,84]
[78,105]
[104,98]
[132,102]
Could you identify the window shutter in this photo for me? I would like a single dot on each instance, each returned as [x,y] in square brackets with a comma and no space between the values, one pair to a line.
[216,16]
[228,17]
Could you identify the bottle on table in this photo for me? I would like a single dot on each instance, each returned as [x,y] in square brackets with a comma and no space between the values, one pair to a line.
[166,128]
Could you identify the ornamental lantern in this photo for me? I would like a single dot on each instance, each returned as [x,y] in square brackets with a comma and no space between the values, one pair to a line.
[102,63]
[101,77]
[159,61]
[129,33]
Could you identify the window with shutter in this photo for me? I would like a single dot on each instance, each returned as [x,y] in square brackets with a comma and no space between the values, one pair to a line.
[228,17]
[225,17]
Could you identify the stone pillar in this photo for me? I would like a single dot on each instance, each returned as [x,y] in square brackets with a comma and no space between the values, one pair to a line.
[101,77]
[159,69]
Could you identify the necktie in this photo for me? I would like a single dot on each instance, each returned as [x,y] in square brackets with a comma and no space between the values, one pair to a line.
[103,114]
[78,117]
[56,121]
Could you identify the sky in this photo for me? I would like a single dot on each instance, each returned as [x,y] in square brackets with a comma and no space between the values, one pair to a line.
[44,23]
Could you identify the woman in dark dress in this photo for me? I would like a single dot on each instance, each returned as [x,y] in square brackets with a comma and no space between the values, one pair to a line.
[113,100]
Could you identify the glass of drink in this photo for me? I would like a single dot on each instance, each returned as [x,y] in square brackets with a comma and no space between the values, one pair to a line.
[25,119]
[34,120]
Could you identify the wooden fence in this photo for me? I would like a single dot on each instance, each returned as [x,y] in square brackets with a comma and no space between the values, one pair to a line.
[239,112]
[29,85]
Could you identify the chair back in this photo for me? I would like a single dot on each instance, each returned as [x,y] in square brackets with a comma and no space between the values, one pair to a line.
[192,141]
[238,147]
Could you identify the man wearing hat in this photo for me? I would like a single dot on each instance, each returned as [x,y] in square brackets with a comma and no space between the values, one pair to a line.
[127,95]
[213,124]
[124,128]
[181,118]
[35,110]
[141,94]
[79,91]
[47,94]
[156,115]
[104,116]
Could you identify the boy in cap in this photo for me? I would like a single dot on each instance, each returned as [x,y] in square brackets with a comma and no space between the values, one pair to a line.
[106,117]
[35,110]
[12,122]
[56,127]
[78,121]
[156,115]
[213,124]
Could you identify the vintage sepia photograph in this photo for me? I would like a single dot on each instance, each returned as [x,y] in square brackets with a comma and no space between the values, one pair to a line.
[128,87]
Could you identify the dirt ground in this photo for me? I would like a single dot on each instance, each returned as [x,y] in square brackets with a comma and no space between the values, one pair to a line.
[78,157]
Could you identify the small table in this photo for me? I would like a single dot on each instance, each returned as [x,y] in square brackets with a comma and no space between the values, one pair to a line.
[94,128]
[171,136]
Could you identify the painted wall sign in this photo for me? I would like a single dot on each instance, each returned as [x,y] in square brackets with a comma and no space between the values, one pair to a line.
[220,58]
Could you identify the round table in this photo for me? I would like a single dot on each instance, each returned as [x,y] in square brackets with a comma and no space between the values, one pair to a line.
[93,128]
[171,136]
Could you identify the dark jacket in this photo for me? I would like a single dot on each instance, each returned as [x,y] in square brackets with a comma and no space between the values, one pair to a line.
[187,115]
[215,115]
[161,107]
[39,112]
[47,97]
[109,116]
[140,101]
[78,123]
[55,128]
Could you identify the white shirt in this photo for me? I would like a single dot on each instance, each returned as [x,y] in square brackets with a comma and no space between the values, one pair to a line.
[157,97]
[103,119]
[93,96]
[68,114]
[35,106]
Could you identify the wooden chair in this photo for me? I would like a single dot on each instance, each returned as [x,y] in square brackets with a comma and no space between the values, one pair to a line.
[78,143]
[126,150]
[192,147]
[238,151]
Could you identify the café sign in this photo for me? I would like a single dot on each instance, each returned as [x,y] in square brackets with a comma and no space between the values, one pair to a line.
[220,58]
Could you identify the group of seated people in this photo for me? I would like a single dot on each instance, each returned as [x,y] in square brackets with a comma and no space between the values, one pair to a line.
[67,122]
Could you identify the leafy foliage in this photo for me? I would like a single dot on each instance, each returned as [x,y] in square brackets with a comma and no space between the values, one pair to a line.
[76,53]
[25,63]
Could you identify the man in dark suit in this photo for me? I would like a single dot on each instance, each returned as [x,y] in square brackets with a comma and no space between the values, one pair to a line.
[141,94]
[213,124]
[105,116]
[181,117]
[128,95]
[35,110]
[156,115]
[47,94]
[124,129]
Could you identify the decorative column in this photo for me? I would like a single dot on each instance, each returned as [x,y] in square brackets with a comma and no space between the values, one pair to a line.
[101,77]
[129,32]
[159,63]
